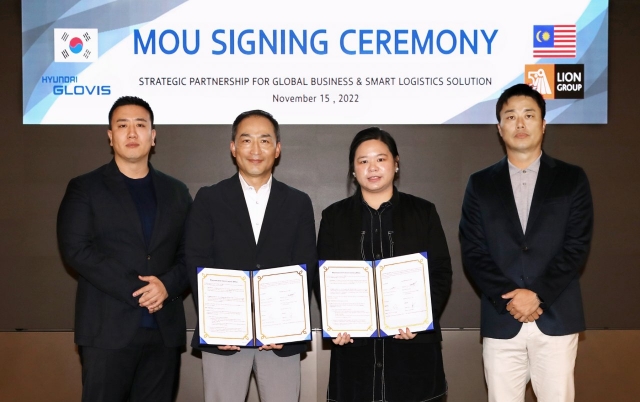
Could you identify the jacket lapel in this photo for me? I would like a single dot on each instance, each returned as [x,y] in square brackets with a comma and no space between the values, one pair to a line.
[234,197]
[114,181]
[405,226]
[277,197]
[502,181]
[163,195]
[353,222]
[546,176]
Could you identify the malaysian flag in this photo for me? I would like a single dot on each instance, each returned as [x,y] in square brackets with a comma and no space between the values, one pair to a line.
[554,41]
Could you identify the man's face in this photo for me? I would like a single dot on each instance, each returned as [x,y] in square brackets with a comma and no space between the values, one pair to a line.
[131,135]
[255,149]
[521,125]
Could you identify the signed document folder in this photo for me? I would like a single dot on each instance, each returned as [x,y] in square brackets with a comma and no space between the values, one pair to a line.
[375,298]
[253,308]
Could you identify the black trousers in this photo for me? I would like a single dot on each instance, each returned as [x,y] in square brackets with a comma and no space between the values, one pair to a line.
[143,371]
[386,370]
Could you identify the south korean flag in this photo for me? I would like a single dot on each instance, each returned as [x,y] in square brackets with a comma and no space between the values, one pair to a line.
[75,45]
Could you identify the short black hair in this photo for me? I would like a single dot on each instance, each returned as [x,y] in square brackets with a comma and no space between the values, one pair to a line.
[371,133]
[130,100]
[520,90]
[256,112]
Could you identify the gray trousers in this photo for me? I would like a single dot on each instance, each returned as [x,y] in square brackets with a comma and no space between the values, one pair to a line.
[226,378]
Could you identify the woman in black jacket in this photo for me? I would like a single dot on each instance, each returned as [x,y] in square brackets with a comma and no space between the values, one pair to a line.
[378,222]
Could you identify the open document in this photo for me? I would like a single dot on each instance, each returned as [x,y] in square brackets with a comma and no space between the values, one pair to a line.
[375,298]
[253,308]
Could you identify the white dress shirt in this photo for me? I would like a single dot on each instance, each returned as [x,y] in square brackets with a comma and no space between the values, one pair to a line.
[256,203]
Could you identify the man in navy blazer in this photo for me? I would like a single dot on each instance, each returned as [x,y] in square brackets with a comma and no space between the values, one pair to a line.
[120,227]
[251,221]
[525,233]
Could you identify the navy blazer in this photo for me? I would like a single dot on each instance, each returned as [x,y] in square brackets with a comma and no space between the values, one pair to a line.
[547,259]
[219,235]
[100,237]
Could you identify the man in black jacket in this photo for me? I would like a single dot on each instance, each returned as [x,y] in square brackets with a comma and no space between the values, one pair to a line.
[120,227]
[246,222]
[525,233]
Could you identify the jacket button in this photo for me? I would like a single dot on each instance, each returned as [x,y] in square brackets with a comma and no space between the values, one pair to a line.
[149,257]
[257,266]
[525,248]
[378,364]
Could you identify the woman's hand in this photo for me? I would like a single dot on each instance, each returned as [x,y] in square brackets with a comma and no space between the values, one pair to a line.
[342,338]
[406,335]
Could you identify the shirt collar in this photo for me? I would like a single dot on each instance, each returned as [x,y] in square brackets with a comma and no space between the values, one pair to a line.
[534,166]
[386,204]
[246,187]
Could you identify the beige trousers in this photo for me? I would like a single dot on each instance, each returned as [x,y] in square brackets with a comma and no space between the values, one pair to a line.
[548,361]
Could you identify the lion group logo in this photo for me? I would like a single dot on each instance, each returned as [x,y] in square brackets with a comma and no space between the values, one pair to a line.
[540,78]
[75,45]
[556,81]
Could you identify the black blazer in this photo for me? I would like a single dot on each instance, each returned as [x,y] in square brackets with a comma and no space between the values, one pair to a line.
[416,228]
[219,235]
[547,259]
[100,236]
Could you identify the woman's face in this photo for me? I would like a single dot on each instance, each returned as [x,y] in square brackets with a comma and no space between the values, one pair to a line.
[374,167]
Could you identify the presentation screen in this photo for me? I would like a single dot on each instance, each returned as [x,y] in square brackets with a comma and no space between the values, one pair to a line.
[328,62]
